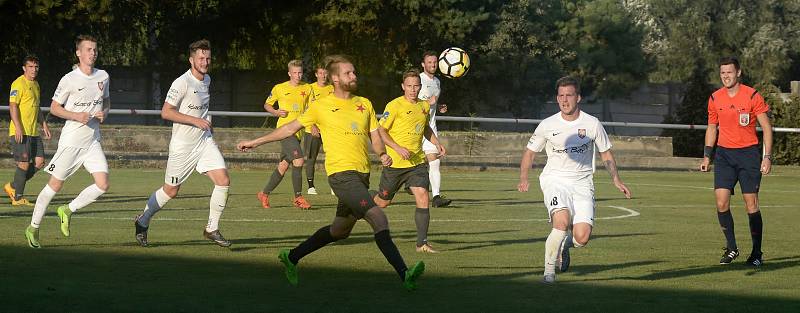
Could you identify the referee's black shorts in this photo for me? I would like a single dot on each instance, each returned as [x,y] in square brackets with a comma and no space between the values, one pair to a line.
[742,165]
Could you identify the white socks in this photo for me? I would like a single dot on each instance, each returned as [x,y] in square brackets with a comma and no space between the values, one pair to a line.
[219,198]
[86,197]
[551,249]
[435,176]
[42,201]
[157,200]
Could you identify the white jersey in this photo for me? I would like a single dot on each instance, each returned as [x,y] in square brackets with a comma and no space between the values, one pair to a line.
[77,92]
[570,145]
[430,87]
[191,96]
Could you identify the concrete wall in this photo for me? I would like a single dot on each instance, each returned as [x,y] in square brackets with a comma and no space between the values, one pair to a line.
[148,146]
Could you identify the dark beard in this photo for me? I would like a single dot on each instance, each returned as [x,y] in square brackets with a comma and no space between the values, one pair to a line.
[351,87]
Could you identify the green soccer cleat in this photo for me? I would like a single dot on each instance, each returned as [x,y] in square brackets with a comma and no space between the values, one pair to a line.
[64,214]
[291,268]
[410,283]
[32,234]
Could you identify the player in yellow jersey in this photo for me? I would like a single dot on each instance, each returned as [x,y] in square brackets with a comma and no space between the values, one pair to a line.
[347,122]
[404,123]
[292,99]
[23,131]
[312,140]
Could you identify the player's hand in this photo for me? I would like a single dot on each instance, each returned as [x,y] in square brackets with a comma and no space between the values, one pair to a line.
[766,166]
[523,185]
[283,113]
[403,152]
[442,108]
[623,188]
[100,116]
[704,164]
[245,145]
[202,123]
[386,160]
[18,136]
[82,117]
[46,132]
[442,151]
[315,131]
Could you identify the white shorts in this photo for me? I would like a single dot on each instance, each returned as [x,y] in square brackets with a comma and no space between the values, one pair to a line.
[577,196]
[203,158]
[428,147]
[68,160]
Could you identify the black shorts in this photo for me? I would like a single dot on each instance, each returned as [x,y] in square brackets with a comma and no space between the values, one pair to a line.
[741,165]
[393,178]
[30,148]
[352,189]
[290,149]
[311,146]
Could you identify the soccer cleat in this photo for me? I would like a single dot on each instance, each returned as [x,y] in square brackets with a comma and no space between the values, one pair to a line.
[264,198]
[440,201]
[729,256]
[301,203]
[21,201]
[563,258]
[141,232]
[312,191]
[291,268]
[412,274]
[549,278]
[32,234]
[426,248]
[64,214]
[10,191]
[217,238]
[755,259]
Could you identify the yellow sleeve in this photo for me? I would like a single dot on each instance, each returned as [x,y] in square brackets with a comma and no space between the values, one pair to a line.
[389,115]
[373,123]
[273,96]
[308,117]
[15,96]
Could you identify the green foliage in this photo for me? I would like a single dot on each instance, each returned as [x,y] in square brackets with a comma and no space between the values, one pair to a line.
[784,150]
[693,110]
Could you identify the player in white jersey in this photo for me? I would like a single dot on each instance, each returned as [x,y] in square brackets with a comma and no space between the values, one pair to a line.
[191,146]
[82,99]
[431,88]
[569,138]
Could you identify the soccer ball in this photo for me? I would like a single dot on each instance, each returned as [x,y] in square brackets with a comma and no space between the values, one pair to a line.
[453,62]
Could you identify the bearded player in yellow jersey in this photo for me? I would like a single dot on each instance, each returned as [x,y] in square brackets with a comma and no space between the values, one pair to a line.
[312,140]
[404,123]
[23,131]
[292,98]
[348,124]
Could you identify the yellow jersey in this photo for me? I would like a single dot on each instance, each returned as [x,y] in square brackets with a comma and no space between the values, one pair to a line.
[405,122]
[292,99]
[317,93]
[346,125]
[25,94]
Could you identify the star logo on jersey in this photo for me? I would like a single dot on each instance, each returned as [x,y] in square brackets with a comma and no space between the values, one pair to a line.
[385,193]
[581,133]
[424,111]
[360,108]
[14,93]
[302,93]
[100,86]
[363,203]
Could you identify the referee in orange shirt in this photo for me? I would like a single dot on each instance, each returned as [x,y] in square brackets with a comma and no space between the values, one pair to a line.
[735,108]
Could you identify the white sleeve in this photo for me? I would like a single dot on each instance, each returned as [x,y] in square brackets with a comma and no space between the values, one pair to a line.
[62,91]
[537,141]
[601,138]
[106,91]
[176,92]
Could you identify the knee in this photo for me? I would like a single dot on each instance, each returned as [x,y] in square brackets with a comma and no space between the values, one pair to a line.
[223,181]
[23,165]
[723,205]
[171,191]
[580,241]
[382,203]
[298,162]
[283,166]
[103,186]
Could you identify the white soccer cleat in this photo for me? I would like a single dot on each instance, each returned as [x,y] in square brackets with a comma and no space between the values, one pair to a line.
[312,191]
[549,278]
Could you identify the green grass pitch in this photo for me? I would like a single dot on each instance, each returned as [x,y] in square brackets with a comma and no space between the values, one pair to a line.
[657,252]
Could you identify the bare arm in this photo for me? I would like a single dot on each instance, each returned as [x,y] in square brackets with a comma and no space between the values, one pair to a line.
[524,167]
[611,167]
[709,142]
[80,117]
[282,132]
[45,129]
[13,109]
[101,116]
[766,129]
[273,111]
[389,141]
[170,112]
[378,147]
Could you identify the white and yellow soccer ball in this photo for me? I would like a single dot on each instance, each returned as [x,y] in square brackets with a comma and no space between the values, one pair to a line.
[454,62]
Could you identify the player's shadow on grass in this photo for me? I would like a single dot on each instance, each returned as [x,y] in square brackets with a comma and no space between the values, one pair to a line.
[100,280]
[769,265]
[470,245]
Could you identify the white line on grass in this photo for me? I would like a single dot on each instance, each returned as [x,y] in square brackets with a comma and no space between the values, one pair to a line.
[630,213]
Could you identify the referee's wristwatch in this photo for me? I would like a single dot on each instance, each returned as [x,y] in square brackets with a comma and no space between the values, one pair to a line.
[768,157]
